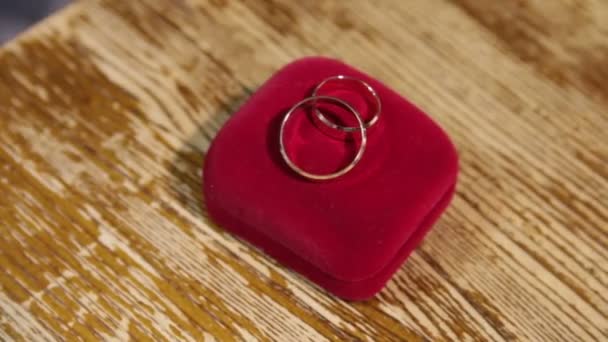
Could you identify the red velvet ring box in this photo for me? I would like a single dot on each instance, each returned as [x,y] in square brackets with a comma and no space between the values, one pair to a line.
[348,235]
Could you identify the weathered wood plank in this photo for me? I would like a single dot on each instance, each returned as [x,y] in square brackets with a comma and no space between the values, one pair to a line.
[109,107]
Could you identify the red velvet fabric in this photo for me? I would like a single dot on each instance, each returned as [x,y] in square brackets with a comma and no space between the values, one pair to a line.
[348,235]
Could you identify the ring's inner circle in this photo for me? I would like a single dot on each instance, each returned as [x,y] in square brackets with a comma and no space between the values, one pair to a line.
[309,147]
[354,93]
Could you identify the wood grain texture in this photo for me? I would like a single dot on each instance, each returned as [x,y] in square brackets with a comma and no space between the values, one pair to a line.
[109,106]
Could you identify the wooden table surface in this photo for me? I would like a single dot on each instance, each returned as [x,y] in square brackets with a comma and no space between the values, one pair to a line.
[109,106]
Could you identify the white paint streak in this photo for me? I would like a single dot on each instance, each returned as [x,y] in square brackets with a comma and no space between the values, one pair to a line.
[208,337]
[121,333]
[113,242]
[25,322]
[245,335]
[317,307]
